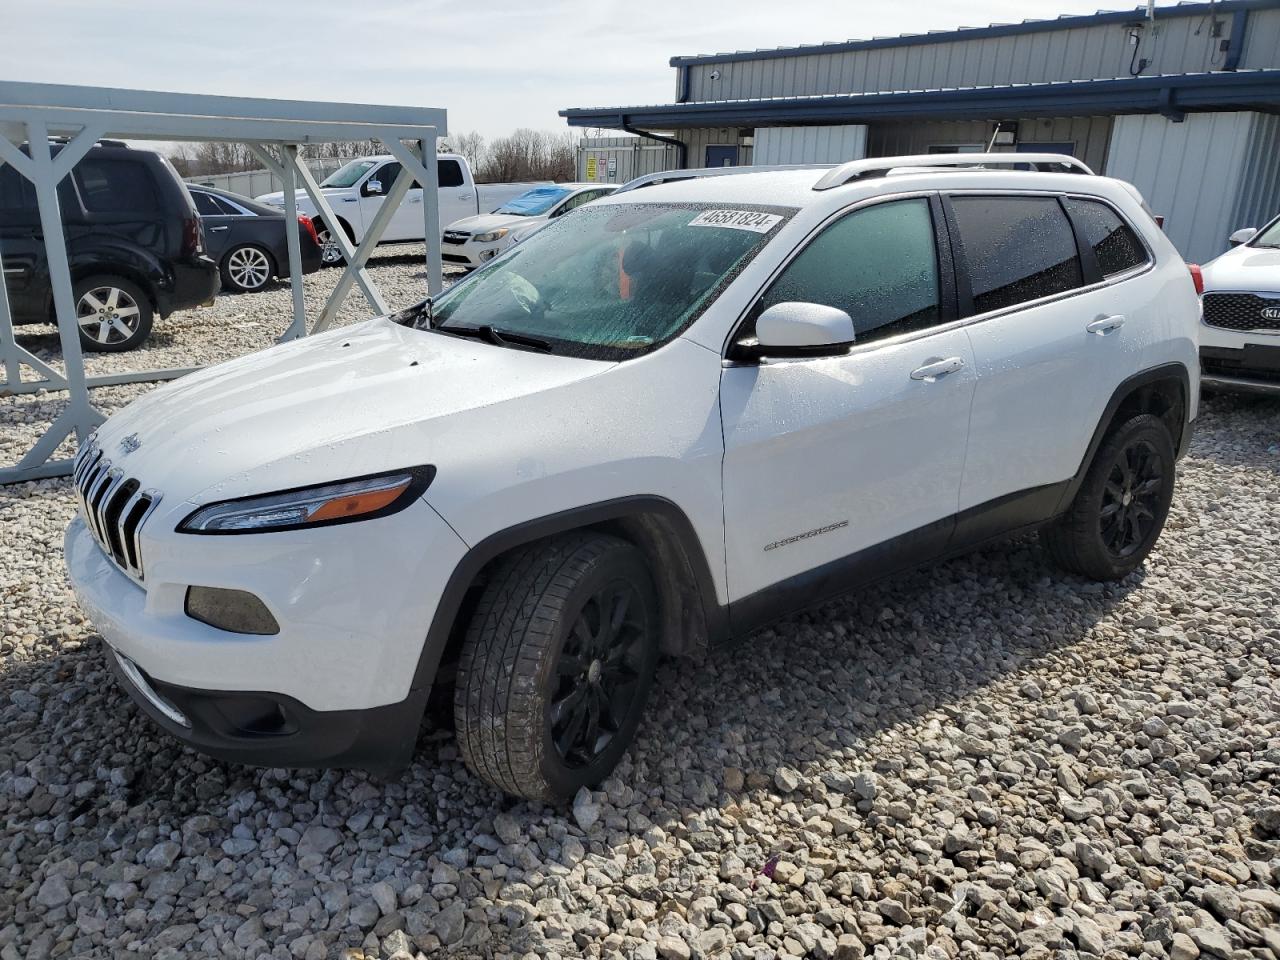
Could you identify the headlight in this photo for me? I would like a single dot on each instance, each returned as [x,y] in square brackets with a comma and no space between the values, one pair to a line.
[491,236]
[318,505]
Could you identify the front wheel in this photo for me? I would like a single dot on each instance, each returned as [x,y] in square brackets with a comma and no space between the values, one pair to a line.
[557,664]
[1121,507]
[330,252]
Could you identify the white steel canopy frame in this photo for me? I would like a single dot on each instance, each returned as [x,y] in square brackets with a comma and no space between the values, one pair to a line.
[273,130]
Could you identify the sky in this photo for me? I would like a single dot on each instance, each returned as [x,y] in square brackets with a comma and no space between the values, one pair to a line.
[494,65]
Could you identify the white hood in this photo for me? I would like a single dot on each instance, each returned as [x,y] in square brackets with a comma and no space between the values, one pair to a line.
[300,196]
[344,403]
[492,221]
[1244,268]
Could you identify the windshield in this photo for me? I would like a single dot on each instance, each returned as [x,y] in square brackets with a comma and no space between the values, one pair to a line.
[1269,235]
[534,202]
[348,173]
[611,282]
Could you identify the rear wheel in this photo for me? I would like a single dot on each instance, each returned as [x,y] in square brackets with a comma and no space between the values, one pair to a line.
[113,314]
[1121,507]
[247,268]
[556,666]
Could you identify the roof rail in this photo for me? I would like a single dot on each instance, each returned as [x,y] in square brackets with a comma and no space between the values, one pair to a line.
[672,176]
[882,166]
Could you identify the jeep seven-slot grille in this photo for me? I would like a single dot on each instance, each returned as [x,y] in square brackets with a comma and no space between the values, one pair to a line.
[1241,311]
[113,506]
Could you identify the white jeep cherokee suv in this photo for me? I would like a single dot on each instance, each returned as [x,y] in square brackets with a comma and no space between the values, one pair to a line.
[673,416]
[1240,339]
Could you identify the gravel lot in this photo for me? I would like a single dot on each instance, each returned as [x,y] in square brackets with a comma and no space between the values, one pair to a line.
[982,759]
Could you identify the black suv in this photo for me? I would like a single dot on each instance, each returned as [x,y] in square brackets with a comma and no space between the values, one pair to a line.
[134,241]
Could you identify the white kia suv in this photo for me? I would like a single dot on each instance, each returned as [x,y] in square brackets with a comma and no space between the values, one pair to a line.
[1240,339]
[680,413]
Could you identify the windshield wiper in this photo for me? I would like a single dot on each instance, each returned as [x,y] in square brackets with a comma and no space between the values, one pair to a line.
[499,338]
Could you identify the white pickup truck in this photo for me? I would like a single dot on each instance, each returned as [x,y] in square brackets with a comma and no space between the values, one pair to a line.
[358,189]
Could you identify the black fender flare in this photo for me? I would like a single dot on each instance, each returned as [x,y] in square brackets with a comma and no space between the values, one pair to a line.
[1129,387]
[623,513]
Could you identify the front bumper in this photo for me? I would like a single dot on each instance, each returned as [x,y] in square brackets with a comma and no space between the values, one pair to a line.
[339,685]
[472,254]
[273,730]
[1247,368]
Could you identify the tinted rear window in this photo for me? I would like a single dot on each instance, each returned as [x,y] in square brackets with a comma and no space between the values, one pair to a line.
[206,205]
[1016,249]
[1114,242]
[116,186]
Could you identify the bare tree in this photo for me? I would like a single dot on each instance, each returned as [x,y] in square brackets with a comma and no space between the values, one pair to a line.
[472,146]
[527,154]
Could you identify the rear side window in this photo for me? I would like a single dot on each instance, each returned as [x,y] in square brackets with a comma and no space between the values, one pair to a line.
[1016,249]
[1114,242]
[878,264]
[206,205]
[116,186]
[449,172]
[15,190]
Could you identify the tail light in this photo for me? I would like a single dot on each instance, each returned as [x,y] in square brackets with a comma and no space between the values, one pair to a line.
[1197,276]
[192,237]
[310,227]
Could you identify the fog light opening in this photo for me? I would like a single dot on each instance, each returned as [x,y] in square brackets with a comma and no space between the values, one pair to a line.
[236,611]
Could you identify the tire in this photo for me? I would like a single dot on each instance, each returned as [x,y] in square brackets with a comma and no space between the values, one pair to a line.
[246,268]
[1120,509]
[330,253]
[113,314]
[539,666]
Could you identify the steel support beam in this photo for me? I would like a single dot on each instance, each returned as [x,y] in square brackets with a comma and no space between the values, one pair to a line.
[360,256]
[426,170]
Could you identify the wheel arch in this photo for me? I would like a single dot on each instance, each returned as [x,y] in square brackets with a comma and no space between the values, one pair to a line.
[1164,391]
[84,269]
[693,619]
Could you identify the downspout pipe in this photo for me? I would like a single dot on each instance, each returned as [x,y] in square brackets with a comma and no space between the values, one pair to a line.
[682,148]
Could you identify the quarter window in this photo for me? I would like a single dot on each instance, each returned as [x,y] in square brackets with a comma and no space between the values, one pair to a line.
[1016,249]
[1114,242]
[878,264]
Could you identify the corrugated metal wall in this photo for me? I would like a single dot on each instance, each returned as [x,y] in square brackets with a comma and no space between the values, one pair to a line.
[1182,44]
[1193,173]
[809,144]
[631,157]
[254,183]
[1090,135]
[1259,196]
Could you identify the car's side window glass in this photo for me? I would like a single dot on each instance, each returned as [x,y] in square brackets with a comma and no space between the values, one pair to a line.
[384,175]
[878,264]
[228,209]
[115,186]
[206,205]
[1114,242]
[449,172]
[1016,249]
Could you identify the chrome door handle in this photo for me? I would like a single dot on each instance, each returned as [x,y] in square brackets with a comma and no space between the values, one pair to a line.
[349,199]
[415,199]
[937,368]
[1104,325]
[217,229]
[464,196]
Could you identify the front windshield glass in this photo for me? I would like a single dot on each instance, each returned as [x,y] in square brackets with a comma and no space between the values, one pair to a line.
[535,202]
[1270,235]
[611,282]
[348,174]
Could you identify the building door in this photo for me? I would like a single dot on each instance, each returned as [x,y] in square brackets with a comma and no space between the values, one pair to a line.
[722,155]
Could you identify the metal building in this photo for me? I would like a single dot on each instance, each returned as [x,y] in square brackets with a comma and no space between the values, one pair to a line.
[1180,100]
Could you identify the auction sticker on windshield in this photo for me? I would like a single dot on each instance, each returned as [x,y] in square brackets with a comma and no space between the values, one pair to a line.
[736,220]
